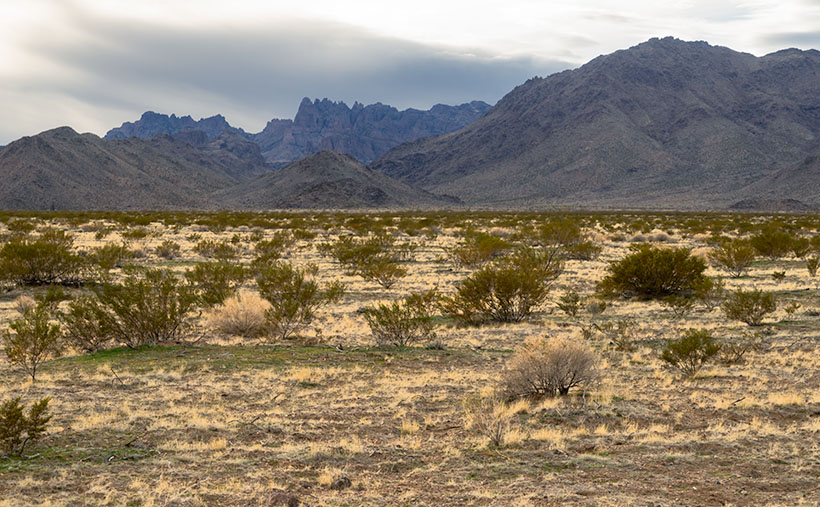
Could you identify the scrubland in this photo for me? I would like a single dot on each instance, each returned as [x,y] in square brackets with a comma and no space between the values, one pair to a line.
[232,413]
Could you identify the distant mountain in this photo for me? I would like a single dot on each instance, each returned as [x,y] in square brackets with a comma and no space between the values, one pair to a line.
[327,180]
[61,169]
[664,124]
[364,132]
[153,124]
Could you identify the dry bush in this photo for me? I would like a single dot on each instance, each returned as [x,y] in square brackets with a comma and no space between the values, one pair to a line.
[490,417]
[167,249]
[242,314]
[549,367]
[772,242]
[620,333]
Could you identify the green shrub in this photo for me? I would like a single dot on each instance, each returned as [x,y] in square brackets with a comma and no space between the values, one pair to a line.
[18,429]
[374,259]
[680,306]
[507,291]
[749,306]
[109,256]
[270,250]
[405,322]
[734,256]
[549,367]
[216,281]
[478,248]
[294,297]
[691,351]
[85,323]
[811,265]
[48,259]
[772,242]
[652,272]
[211,249]
[32,339]
[168,249]
[570,303]
[710,292]
[586,251]
[149,307]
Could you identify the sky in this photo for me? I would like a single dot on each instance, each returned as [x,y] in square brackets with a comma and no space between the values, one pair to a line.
[93,64]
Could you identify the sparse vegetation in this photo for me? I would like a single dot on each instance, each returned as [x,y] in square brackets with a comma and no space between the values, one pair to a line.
[403,422]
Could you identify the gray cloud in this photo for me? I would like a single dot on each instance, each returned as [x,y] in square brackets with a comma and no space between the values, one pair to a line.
[802,40]
[112,71]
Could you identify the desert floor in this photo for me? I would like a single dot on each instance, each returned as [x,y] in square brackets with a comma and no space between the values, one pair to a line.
[233,421]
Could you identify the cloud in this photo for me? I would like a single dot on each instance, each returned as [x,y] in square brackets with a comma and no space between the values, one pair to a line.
[802,40]
[108,71]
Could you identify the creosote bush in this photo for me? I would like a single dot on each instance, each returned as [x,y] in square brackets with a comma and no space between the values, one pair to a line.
[17,429]
[216,281]
[48,259]
[506,291]
[294,297]
[374,259]
[149,307]
[404,322]
[168,249]
[749,306]
[32,339]
[478,248]
[734,256]
[691,351]
[570,303]
[651,272]
[772,242]
[109,256]
[549,367]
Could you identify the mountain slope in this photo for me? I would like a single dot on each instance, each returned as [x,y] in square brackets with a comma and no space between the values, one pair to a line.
[666,123]
[61,169]
[326,180]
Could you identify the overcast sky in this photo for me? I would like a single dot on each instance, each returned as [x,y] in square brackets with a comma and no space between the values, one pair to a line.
[93,64]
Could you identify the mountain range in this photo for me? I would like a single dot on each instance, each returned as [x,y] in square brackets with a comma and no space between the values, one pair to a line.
[364,132]
[664,124]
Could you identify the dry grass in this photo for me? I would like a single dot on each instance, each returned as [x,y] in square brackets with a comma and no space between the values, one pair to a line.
[228,421]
